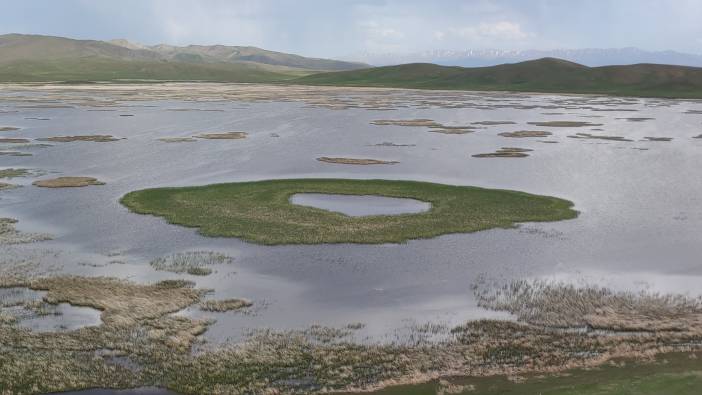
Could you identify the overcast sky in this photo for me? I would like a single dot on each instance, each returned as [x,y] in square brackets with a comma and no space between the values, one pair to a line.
[335,28]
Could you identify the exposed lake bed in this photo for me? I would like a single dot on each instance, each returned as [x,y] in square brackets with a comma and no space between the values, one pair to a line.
[637,208]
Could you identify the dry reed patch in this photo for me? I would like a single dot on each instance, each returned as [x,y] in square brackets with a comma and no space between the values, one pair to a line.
[8,129]
[223,136]
[68,182]
[97,138]
[588,136]
[564,124]
[556,304]
[121,302]
[506,152]
[356,161]
[224,305]
[14,141]
[525,133]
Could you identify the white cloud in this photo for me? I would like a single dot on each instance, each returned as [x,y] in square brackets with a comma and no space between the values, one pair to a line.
[496,31]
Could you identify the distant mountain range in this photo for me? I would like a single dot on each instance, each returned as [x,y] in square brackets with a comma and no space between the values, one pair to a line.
[478,58]
[541,75]
[47,58]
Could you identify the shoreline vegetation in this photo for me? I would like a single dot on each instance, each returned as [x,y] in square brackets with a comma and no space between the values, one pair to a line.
[141,343]
[261,211]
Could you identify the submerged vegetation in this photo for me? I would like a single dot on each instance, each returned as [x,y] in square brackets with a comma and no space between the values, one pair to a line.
[356,161]
[196,263]
[10,235]
[15,173]
[97,138]
[261,211]
[223,136]
[506,152]
[526,133]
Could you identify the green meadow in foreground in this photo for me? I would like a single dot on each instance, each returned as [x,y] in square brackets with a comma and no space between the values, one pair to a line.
[261,211]
[674,373]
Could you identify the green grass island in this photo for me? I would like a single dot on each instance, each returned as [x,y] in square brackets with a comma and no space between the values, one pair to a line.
[261,211]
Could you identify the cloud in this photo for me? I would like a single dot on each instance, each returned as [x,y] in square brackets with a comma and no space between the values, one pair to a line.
[501,30]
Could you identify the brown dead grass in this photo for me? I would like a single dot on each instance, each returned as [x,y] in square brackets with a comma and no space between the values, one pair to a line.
[68,182]
[224,305]
[8,129]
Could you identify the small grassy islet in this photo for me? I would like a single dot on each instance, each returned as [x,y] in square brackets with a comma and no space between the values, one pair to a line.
[261,211]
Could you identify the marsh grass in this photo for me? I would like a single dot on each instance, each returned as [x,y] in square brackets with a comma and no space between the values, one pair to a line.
[261,211]
[196,263]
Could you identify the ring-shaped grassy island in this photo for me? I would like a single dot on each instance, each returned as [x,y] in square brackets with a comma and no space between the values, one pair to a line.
[261,212]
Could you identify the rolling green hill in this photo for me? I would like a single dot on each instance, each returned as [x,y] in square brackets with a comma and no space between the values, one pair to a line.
[31,58]
[543,75]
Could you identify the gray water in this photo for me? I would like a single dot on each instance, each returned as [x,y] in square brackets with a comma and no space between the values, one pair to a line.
[360,205]
[639,202]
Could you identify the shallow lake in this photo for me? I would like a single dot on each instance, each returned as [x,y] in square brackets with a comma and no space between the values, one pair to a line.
[640,201]
[360,205]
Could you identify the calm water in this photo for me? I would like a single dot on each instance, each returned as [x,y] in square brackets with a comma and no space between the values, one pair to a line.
[640,201]
[360,205]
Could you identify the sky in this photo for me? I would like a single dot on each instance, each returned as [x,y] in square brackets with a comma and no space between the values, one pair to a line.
[340,28]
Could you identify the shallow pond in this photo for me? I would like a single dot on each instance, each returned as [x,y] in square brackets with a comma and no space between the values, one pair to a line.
[640,201]
[360,205]
[27,307]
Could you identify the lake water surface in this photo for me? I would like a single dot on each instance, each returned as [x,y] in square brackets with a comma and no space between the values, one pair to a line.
[640,201]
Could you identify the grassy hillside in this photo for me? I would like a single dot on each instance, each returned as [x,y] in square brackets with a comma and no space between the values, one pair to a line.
[25,58]
[543,75]
[102,69]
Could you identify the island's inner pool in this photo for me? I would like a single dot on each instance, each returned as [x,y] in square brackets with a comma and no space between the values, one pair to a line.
[360,205]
